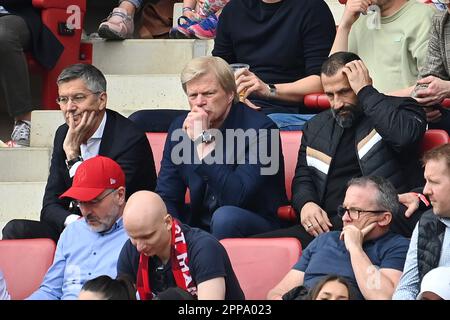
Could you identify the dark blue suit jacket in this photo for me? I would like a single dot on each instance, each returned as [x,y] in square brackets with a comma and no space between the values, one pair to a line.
[123,142]
[229,183]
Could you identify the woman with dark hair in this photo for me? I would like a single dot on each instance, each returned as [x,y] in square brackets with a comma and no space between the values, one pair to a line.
[331,287]
[106,288]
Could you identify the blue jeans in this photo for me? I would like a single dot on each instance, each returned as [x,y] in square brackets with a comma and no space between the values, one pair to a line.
[235,222]
[290,121]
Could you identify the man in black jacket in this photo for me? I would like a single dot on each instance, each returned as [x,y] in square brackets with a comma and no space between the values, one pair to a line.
[364,133]
[90,130]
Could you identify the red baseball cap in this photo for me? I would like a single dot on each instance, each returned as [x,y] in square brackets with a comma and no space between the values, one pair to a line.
[93,177]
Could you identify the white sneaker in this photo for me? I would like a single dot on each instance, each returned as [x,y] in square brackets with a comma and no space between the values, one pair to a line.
[20,136]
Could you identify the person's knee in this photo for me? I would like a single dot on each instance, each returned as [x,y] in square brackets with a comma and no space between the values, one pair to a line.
[11,230]
[223,223]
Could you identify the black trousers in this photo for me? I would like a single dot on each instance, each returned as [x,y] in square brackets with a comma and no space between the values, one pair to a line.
[14,78]
[29,229]
[400,225]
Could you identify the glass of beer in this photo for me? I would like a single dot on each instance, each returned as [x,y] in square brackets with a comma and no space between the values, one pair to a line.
[236,67]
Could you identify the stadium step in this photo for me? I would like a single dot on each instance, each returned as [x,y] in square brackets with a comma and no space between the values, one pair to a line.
[158,56]
[127,93]
[24,164]
[20,200]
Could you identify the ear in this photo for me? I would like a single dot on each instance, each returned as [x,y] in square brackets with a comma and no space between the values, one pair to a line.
[385,220]
[121,192]
[103,97]
[168,221]
[230,97]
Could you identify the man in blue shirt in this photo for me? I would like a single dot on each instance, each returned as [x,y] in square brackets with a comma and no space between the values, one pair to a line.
[88,247]
[365,252]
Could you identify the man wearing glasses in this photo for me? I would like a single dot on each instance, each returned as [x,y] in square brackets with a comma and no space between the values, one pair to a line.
[90,130]
[365,252]
[88,247]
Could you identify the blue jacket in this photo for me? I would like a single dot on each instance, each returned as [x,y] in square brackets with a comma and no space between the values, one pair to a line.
[228,183]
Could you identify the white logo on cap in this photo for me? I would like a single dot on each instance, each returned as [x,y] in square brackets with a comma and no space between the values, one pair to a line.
[112,181]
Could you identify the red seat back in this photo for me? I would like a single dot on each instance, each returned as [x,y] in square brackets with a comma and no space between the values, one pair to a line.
[290,141]
[260,264]
[24,264]
[53,14]
[432,139]
[157,141]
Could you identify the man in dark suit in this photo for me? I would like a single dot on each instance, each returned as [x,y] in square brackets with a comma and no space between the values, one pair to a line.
[226,154]
[90,130]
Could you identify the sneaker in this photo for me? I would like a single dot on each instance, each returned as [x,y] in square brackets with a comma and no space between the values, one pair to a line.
[118,26]
[206,28]
[20,137]
[182,30]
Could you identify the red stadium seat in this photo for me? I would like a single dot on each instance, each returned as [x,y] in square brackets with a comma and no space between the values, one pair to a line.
[157,141]
[54,15]
[260,264]
[316,101]
[24,264]
[432,139]
[290,141]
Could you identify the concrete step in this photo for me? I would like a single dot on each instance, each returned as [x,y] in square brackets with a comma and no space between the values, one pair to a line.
[21,200]
[149,91]
[137,56]
[43,127]
[24,164]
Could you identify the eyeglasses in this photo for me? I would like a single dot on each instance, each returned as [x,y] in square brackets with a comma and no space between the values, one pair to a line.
[354,213]
[76,99]
[94,202]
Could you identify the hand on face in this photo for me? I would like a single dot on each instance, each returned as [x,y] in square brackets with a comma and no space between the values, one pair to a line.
[196,122]
[354,237]
[78,131]
[357,75]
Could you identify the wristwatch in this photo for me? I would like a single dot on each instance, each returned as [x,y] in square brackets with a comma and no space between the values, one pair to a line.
[272,90]
[71,162]
[205,137]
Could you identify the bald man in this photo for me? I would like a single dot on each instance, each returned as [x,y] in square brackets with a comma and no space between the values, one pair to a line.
[163,253]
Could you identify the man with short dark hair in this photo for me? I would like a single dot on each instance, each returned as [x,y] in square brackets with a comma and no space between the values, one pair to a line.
[363,133]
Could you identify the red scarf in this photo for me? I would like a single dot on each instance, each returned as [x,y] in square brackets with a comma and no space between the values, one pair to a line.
[180,266]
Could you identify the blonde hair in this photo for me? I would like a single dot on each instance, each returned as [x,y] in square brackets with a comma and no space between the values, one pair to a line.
[200,66]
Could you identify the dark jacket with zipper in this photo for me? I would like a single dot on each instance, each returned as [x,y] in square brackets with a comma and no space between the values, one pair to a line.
[387,139]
